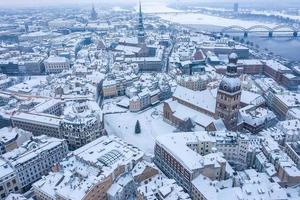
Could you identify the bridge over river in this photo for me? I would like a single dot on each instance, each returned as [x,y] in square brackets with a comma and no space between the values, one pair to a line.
[262,29]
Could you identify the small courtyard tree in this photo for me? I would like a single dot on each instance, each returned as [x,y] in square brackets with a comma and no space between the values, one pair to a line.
[137,127]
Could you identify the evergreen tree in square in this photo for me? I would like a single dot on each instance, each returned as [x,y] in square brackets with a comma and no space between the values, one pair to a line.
[137,127]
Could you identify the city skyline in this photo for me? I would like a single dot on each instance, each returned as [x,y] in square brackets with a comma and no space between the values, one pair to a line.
[189,100]
[41,3]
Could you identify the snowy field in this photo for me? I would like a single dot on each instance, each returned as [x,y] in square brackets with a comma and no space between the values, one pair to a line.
[155,7]
[110,105]
[194,18]
[295,17]
[152,125]
[203,19]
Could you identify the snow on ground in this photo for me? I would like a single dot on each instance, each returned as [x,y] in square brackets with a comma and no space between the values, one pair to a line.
[152,125]
[203,19]
[110,106]
[277,13]
[155,7]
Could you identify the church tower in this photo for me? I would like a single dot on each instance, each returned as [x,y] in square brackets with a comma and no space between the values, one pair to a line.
[229,95]
[94,14]
[141,30]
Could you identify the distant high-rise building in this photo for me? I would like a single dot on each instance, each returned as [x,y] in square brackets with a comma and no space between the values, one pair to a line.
[236,7]
[229,95]
[94,14]
[141,30]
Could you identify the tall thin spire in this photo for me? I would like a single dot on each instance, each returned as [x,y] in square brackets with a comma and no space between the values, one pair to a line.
[140,8]
[141,30]
[94,14]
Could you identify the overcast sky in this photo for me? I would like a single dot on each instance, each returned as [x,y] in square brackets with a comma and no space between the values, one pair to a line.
[9,3]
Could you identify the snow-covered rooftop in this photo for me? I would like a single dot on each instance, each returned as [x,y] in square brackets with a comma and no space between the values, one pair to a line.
[183,112]
[176,145]
[276,66]
[205,99]
[5,169]
[88,166]
[56,59]
[166,188]
[31,149]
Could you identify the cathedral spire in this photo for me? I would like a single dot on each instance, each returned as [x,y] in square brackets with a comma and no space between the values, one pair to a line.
[141,30]
[140,8]
[94,14]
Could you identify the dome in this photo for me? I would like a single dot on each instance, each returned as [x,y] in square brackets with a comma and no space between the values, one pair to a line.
[230,84]
[233,58]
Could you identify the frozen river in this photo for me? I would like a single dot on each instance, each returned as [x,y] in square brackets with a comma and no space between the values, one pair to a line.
[288,47]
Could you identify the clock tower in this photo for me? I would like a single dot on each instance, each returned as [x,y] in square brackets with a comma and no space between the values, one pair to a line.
[229,95]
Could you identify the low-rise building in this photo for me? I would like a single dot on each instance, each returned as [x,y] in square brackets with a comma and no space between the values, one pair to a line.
[8,180]
[143,171]
[234,146]
[147,64]
[82,124]
[185,118]
[37,36]
[135,104]
[5,81]
[255,119]
[16,196]
[291,130]
[281,74]
[159,187]
[55,64]
[9,67]
[282,103]
[34,158]
[11,138]
[109,88]
[90,171]
[195,83]
[143,100]
[290,81]
[251,66]
[123,188]
[247,185]
[292,149]
[37,123]
[287,171]
[77,122]
[182,163]
[219,48]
